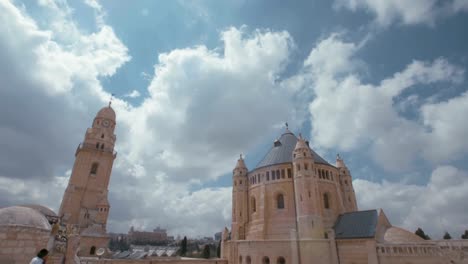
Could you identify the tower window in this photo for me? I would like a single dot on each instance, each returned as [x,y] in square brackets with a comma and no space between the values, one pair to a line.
[92,251]
[254,204]
[282,173]
[304,154]
[94,168]
[102,146]
[240,182]
[102,135]
[289,173]
[346,182]
[281,260]
[277,174]
[97,145]
[326,201]
[325,235]
[306,167]
[268,176]
[280,201]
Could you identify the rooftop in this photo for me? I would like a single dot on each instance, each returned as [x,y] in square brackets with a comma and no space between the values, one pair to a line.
[282,152]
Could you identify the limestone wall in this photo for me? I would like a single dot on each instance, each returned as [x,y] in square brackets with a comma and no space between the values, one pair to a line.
[19,244]
[253,252]
[153,261]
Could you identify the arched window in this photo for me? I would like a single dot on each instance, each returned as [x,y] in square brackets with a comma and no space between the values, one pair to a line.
[102,135]
[326,201]
[266,260]
[97,145]
[280,201]
[92,251]
[254,204]
[281,260]
[94,168]
[102,146]
[306,167]
[248,260]
[240,259]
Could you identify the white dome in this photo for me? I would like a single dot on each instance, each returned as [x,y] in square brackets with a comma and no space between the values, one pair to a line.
[23,216]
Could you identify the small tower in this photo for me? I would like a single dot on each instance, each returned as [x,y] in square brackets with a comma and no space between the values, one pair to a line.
[346,186]
[310,223]
[239,200]
[84,204]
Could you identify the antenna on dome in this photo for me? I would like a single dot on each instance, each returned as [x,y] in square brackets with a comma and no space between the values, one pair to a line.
[287,126]
[110,100]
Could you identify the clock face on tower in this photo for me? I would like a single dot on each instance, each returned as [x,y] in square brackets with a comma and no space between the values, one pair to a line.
[105,123]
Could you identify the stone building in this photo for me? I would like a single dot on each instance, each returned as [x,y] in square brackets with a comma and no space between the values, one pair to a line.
[295,207]
[141,237]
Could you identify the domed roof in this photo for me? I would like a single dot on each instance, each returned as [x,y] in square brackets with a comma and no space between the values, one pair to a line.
[107,113]
[23,216]
[282,152]
[41,209]
[399,235]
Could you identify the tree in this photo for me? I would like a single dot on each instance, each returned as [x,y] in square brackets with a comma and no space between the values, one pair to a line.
[465,235]
[206,252]
[218,250]
[183,246]
[447,235]
[421,233]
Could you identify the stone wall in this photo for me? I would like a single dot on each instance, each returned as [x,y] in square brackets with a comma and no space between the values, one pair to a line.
[19,244]
[153,261]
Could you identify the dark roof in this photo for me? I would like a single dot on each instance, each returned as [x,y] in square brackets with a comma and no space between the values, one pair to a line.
[282,152]
[361,224]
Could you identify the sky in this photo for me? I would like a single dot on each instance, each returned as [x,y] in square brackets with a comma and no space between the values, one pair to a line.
[196,83]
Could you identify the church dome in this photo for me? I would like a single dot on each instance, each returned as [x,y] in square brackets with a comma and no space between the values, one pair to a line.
[282,152]
[23,216]
[399,235]
[41,209]
[106,113]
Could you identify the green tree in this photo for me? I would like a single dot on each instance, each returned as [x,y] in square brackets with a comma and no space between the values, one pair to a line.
[447,235]
[421,233]
[183,246]
[465,235]
[206,252]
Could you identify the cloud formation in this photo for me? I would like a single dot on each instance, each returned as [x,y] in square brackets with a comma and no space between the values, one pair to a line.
[405,12]
[349,114]
[437,206]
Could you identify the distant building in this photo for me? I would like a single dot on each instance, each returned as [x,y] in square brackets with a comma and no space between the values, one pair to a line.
[217,236]
[157,235]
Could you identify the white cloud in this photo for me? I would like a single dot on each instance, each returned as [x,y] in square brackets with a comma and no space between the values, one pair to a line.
[436,207]
[405,12]
[133,94]
[348,114]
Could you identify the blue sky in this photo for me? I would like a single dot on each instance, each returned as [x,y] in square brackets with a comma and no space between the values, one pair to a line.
[198,82]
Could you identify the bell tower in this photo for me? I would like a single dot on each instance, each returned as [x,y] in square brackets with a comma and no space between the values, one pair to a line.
[85,205]
[239,200]
[309,220]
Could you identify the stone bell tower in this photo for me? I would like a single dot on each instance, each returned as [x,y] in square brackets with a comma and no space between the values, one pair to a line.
[85,205]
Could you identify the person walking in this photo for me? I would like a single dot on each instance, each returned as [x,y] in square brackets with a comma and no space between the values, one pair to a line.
[41,257]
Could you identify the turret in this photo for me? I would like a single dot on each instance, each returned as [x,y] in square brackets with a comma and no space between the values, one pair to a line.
[239,200]
[346,186]
[306,192]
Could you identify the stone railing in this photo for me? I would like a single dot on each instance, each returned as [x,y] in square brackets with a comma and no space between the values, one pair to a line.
[428,248]
[153,261]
